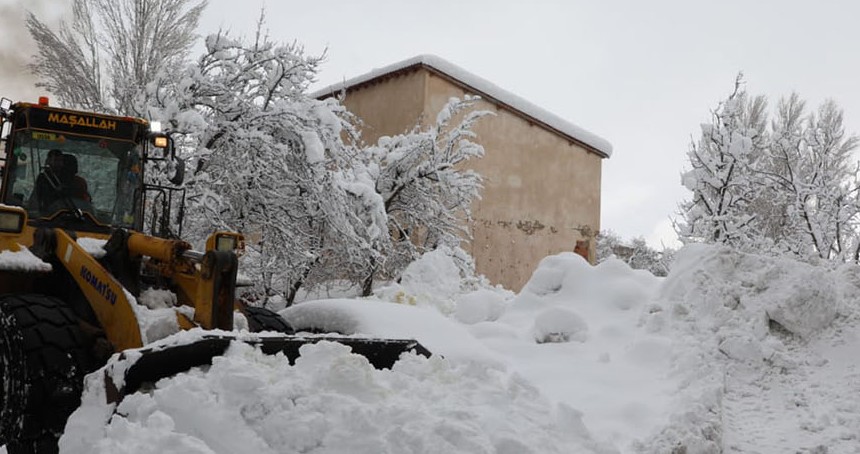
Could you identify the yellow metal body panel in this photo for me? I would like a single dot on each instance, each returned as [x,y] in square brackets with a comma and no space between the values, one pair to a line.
[197,286]
[105,294]
[13,241]
[197,293]
[197,283]
[158,248]
[185,323]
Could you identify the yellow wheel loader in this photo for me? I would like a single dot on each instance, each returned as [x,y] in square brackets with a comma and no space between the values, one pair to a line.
[74,259]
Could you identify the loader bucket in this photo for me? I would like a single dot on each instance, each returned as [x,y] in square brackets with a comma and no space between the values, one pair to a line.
[153,364]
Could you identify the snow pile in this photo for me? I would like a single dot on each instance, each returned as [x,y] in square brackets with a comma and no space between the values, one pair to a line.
[731,352]
[444,279]
[330,401]
[156,314]
[738,305]
[480,305]
[727,289]
[367,318]
[733,312]
[575,332]
[433,280]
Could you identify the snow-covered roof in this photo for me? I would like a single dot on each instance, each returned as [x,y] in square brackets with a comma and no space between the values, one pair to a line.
[486,90]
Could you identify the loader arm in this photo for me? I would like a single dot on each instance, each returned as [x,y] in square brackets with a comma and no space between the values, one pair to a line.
[210,288]
[204,281]
[107,297]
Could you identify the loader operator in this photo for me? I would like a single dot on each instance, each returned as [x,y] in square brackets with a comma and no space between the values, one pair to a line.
[57,183]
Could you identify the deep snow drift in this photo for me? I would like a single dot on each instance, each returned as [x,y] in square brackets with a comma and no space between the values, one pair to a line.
[731,352]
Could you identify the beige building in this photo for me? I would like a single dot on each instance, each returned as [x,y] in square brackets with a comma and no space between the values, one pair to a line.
[541,173]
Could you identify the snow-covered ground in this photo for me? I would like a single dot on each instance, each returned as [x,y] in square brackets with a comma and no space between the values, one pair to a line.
[729,353]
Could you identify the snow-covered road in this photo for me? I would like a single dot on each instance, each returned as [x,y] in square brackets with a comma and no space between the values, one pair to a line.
[810,404]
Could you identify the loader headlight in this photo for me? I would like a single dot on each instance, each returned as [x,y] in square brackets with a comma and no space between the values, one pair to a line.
[12,221]
[225,243]
[160,141]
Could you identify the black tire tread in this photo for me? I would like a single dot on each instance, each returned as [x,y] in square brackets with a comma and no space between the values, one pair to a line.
[262,319]
[56,357]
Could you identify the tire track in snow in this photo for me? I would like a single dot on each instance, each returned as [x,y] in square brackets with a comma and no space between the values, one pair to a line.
[808,405]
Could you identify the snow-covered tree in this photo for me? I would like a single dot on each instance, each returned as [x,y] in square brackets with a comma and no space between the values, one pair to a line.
[271,162]
[720,175]
[635,252]
[268,160]
[111,49]
[814,181]
[425,190]
[792,188]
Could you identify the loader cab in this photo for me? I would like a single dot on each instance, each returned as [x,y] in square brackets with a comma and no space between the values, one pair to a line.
[61,165]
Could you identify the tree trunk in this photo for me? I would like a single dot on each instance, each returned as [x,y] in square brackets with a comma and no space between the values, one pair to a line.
[292,291]
[367,284]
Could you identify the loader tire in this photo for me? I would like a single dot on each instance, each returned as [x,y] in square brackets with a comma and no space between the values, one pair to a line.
[262,319]
[43,360]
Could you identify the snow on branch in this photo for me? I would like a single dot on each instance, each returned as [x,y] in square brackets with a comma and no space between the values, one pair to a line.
[783,186]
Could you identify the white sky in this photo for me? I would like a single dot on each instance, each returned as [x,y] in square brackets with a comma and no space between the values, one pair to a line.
[642,75]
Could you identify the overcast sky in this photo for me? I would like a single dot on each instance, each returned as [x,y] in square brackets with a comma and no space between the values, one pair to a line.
[641,74]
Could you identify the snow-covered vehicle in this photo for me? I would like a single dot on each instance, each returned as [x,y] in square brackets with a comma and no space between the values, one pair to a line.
[73,262]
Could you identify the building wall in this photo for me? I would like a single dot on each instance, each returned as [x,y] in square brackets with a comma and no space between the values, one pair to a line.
[541,192]
[392,106]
